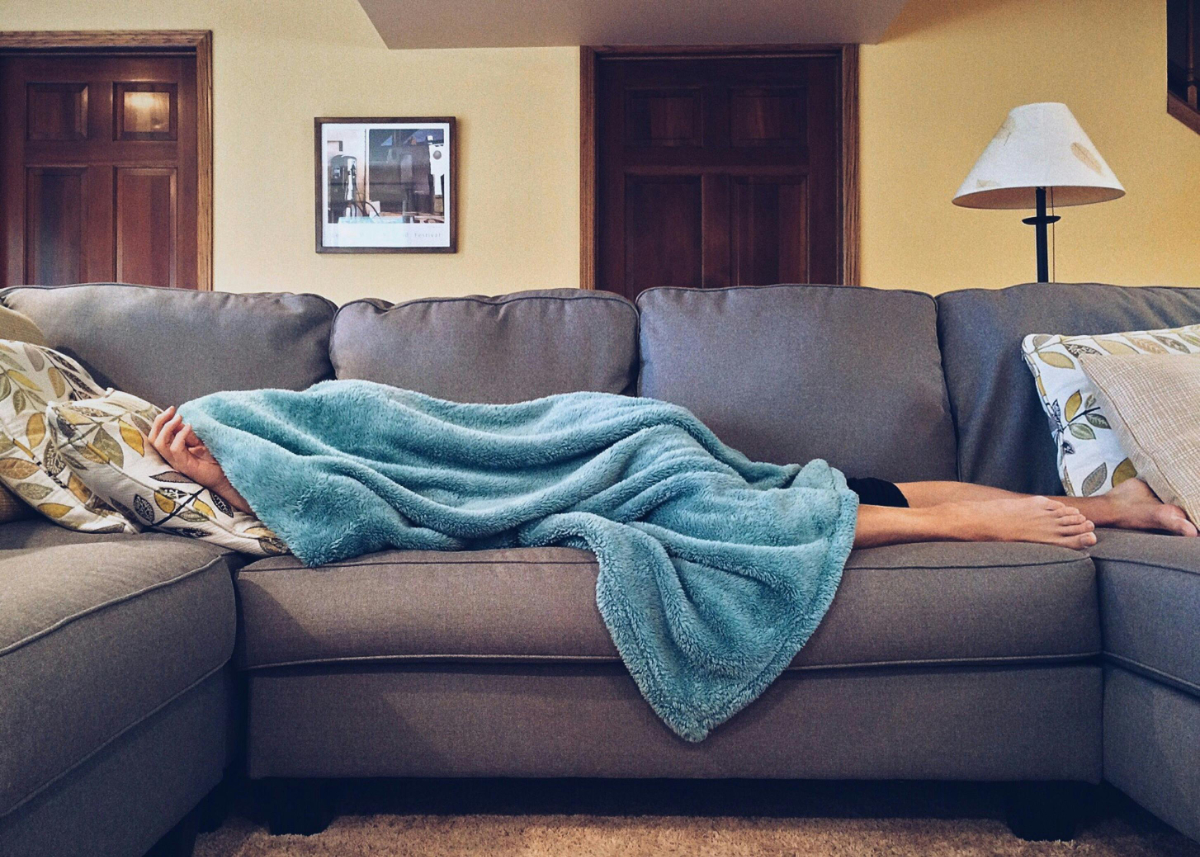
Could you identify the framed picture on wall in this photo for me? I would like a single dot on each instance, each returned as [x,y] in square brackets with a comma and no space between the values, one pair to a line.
[386,185]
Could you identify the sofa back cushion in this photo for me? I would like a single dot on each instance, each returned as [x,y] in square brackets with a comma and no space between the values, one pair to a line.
[171,345]
[790,373]
[491,349]
[1003,435]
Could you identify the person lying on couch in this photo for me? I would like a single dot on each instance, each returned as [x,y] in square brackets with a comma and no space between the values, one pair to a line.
[888,513]
[712,569]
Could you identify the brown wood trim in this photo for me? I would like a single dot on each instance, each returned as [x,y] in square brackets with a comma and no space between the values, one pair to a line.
[851,224]
[587,168]
[589,57]
[204,162]
[727,51]
[102,39]
[198,41]
[1183,111]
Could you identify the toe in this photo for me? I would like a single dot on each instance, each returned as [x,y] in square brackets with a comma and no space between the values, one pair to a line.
[1086,540]
[1176,521]
[1067,519]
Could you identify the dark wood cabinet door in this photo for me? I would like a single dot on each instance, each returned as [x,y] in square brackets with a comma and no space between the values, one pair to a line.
[98,169]
[717,171]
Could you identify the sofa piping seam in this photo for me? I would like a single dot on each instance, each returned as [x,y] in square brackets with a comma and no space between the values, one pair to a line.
[1141,564]
[329,566]
[467,658]
[291,568]
[1152,672]
[782,286]
[499,300]
[111,740]
[67,620]
[5,291]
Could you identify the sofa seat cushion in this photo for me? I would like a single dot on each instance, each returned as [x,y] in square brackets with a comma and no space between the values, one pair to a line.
[1150,604]
[915,604]
[97,632]
[510,348]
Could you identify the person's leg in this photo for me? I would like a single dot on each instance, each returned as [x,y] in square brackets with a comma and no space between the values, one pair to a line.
[1010,519]
[1131,505]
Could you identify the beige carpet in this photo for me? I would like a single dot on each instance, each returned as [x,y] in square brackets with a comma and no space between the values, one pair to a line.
[633,836]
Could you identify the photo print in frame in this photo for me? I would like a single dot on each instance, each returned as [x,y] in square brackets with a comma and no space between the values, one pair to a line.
[386,185]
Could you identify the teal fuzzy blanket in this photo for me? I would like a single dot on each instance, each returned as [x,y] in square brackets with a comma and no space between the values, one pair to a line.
[714,569]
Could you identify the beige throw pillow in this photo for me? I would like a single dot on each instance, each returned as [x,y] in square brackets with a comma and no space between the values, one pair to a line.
[1090,459]
[19,328]
[104,440]
[31,377]
[15,325]
[1151,402]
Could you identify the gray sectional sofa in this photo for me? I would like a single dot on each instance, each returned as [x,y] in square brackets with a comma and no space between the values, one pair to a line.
[134,670]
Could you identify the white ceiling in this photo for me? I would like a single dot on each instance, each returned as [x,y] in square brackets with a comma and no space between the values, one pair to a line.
[541,23]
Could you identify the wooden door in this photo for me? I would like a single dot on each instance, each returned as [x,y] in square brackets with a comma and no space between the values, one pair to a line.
[718,171]
[98,168]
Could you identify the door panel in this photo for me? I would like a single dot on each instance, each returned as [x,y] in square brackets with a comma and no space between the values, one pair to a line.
[767,116]
[766,211]
[146,227]
[56,111]
[654,255]
[145,111]
[55,225]
[717,171]
[98,168]
[663,117]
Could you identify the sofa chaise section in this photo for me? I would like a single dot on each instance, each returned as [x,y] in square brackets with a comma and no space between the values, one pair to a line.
[1149,584]
[122,703]
[115,713]
[1150,592]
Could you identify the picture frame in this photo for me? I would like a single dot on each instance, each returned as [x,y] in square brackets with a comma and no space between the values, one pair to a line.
[386,185]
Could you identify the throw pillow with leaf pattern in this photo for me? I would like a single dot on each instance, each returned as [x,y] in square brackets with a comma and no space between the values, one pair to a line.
[104,440]
[32,377]
[1090,458]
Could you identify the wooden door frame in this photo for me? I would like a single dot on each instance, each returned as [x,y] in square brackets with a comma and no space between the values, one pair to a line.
[198,41]
[848,197]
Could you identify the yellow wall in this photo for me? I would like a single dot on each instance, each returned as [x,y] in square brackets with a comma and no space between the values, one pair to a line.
[279,63]
[937,88]
[932,95]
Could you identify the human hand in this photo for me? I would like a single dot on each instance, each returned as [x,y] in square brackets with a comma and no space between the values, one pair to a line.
[186,453]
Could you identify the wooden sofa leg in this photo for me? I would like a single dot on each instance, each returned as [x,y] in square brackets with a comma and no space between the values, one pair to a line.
[180,840]
[297,806]
[1041,811]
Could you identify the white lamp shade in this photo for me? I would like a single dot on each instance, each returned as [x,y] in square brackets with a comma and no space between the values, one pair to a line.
[1039,145]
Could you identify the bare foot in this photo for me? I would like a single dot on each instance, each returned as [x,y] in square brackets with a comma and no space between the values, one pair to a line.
[1133,506]
[1022,519]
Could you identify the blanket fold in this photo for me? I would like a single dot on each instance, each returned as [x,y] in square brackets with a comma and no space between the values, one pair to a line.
[714,569]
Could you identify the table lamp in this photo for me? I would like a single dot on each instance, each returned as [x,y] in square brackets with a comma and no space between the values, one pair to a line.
[1039,147]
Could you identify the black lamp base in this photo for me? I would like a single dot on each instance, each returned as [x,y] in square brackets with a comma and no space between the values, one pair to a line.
[1040,221]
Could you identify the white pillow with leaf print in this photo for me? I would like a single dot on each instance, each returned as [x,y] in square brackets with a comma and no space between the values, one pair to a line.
[104,440]
[31,377]
[1090,458]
